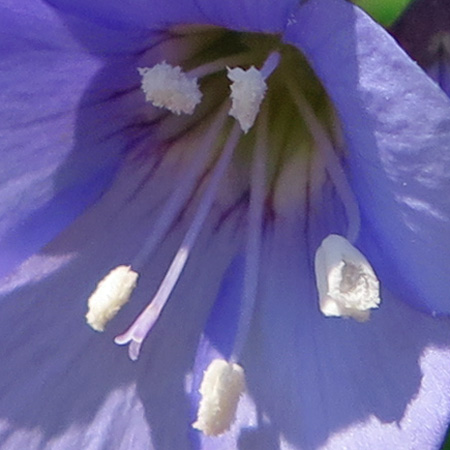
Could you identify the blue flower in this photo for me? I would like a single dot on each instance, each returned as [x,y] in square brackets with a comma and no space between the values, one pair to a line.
[93,178]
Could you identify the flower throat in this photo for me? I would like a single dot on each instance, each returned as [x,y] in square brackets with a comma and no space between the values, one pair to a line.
[259,107]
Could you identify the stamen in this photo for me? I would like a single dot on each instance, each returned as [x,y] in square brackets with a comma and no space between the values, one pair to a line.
[111,293]
[143,324]
[183,190]
[221,388]
[224,382]
[333,164]
[254,234]
[169,87]
[347,284]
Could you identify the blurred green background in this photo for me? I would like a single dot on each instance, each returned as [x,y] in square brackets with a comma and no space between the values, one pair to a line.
[386,12]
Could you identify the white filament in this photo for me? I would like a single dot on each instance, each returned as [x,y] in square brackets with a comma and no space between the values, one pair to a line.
[223,384]
[333,165]
[218,65]
[169,87]
[254,234]
[111,293]
[346,282]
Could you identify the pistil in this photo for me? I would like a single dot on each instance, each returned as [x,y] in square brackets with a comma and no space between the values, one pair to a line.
[144,323]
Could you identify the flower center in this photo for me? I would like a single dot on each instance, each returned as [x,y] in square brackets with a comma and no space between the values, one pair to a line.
[280,119]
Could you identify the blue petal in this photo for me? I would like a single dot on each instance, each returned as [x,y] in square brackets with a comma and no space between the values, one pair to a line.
[252,15]
[333,383]
[64,123]
[316,382]
[66,387]
[37,25]
[397,127]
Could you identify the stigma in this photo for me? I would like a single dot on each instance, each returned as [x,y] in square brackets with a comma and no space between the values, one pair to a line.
[111,293]
[346,283]
[222,386]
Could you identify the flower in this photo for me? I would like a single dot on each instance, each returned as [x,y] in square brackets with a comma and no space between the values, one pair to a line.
[90,169]
[424,32]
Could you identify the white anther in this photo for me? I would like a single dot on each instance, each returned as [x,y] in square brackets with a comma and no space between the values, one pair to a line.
[247,93]
[221,388]
[111,293]
[347,284]
[169,87]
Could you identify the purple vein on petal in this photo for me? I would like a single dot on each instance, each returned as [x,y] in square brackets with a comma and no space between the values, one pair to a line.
[184,189]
